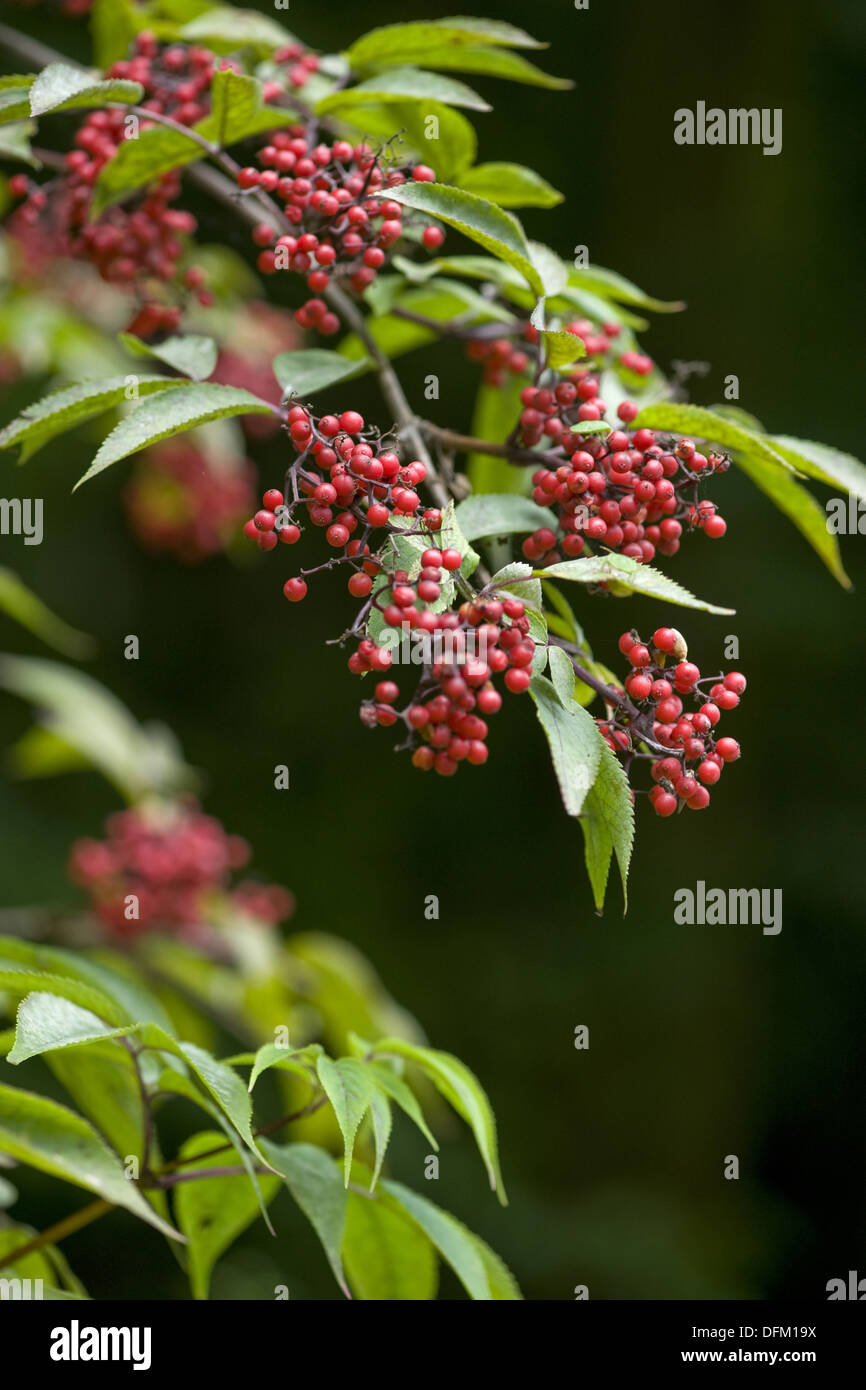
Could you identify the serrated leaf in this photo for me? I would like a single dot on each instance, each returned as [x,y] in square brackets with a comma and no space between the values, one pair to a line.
[481,1272]
[821,461]
[487,62]
[631,575]
[53,1139]
[303,372]
[348,1088]
[403,84]
[562,348]
[715,429]
[315,1184]
[73,405]
[574,740]
[463,1091]
[610,285]
[500,514]
[24,607]
[398,42]
[213,1212]
[510,186]
[237,109]
[476,218]
[396,1089]
[287,1059]
[608,826]
[176,412]
[381,1122]
[60,87]
[228,28]
[387,1256]
[798,504]
[193,355]
[45,1024]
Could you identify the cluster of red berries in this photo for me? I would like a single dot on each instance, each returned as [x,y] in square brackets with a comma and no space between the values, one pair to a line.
[497,356]
[141,241]
[300,65]
[179,504]
[336,198]
[697,756]
[467,648]
[620,489]
[166,869]
[342,481]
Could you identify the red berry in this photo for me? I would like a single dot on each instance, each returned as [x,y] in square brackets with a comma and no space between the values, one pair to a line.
[294,590]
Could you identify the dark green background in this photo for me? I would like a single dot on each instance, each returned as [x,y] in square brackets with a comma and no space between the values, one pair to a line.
[705,1041]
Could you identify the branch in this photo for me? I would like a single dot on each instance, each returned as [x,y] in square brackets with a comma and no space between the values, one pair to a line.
[54,1234]
[467,444]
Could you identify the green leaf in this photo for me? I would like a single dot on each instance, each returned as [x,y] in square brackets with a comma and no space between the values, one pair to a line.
[396,1089]
[192,355]
[15,142]
[60,87]
[348,1088]
[609,285]
[137,162]
[86,717]
[480,1271]
[551,268]
[44,1026]
[72,405]
[52,1138]
[381,1121]
[510,186]
[401,42]
[303,372]
[213,1212]
[489,62]
[828,465]
[496,409]
[17,79]
[387,1256]
[19,977]
[501,514]
[715,429]
[630,576]
[494,229]
[562,348]
[799,506]
[463,1091]
[403,84]
[237,110]
[297,1060]
[574,740]
[315,1184]
[14,105]
[608,826]
[590,427]
[25,607]
[175,412]
[113,25]
[225,28]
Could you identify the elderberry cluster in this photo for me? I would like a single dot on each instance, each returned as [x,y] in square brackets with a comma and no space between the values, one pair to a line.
[142,241]
[336,197]
[178,504]
[165,869]
[621,489]
[465,650]
[340,482]
[697,756]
